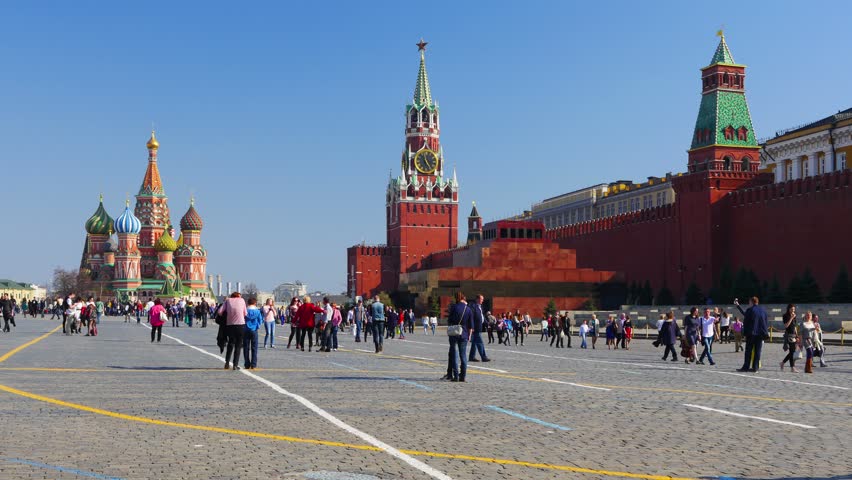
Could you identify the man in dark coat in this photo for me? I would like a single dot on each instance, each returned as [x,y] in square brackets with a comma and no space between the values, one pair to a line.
[756,330]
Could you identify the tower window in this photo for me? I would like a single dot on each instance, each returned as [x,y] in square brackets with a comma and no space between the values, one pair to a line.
[424,115]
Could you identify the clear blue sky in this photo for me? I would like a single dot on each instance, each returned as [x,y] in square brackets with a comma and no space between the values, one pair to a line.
[284,118]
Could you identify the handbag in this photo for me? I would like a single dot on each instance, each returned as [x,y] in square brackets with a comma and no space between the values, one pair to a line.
[456,330]
[164,317]
[799,354]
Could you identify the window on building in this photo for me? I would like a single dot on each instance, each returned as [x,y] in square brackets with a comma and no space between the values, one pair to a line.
[841,161]
[788,170]
[821,164]
[805,167]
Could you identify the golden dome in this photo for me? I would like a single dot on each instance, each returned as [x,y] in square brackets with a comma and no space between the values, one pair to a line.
[153,144]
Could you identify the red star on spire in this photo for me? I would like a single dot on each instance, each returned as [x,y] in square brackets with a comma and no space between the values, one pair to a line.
[422,45]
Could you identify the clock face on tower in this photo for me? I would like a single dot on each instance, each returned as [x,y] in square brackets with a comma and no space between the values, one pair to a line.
[426,161]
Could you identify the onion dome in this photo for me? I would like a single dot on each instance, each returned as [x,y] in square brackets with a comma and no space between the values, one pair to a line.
[100,223]
[153,144]
[191,220]
[165,243]
[180,240]
[127,222]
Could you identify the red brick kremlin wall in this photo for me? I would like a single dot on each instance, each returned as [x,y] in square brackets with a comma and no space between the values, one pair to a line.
[773,229]
[783,228]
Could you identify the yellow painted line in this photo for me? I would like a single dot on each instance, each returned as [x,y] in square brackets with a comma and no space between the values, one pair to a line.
[28,344]
[152,421]
[452,456]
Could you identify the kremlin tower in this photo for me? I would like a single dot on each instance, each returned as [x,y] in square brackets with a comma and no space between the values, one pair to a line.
[421,203]
[144,260]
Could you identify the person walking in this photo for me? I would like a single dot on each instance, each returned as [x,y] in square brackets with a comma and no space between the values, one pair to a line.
[235,310]
[756,330]
[479,320]
[557,336]
[7,309]
[808,340]
[254,318]
[377,312]
[819,347]
[725,328]
[157,317]
[628,333]
[566,328]
[336,319]
[791,337]
[584,332]
[519,327]
[459,331]
[707,334]
[268,312]
[204,312]
[737,330]
[359,314]
[294,321]
[594,325]
[668,335]
[546,325]
[433,323]
[691,325]
[306,319]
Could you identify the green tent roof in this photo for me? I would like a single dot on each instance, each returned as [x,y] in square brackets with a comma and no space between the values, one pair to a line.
[723,53]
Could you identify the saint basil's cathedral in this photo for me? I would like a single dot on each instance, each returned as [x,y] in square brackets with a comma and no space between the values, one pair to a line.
[136,255]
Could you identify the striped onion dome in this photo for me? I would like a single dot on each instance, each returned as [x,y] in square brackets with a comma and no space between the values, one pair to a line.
[165,243]
[100,223]
[191,220]
[127,222]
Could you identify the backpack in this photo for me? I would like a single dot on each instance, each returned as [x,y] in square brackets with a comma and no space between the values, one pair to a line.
[86,312]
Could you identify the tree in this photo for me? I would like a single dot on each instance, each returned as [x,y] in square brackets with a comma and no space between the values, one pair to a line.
[694,295]
[250,291]
[841,289]
[633,293]
[724,290]
[810,288]
[385,299]
[550,309]
[745,284]
[646,294]
[774,293]
[664,297]
[435,306]
[794,290]
[71,281]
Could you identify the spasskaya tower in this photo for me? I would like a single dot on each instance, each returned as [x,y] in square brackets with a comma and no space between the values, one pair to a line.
[421,203]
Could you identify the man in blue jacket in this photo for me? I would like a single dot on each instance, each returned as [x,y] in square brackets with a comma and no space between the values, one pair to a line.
[756,330]
[479,321]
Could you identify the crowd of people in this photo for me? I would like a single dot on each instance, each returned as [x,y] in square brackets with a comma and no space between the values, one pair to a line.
[322,324]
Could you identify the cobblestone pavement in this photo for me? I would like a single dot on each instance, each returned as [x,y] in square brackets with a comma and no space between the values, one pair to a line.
[118,406]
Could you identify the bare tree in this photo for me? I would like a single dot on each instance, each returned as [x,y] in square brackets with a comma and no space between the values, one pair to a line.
[71,281]
[250,291]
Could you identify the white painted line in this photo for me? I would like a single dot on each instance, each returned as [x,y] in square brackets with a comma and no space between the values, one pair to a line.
[576,384]
[432,472]
[418,358]
[758,377]
[486,368]
[734,414]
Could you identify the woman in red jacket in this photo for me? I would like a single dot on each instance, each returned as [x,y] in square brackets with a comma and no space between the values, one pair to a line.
[305,319]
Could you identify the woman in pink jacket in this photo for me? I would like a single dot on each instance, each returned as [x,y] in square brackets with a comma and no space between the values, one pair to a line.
[154,319]
[236,311]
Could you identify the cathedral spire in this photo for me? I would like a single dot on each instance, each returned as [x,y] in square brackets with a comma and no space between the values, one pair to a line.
[422,93]
[151,183]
